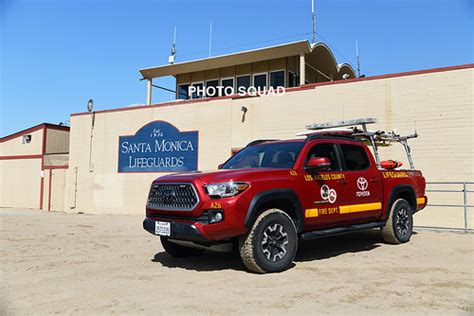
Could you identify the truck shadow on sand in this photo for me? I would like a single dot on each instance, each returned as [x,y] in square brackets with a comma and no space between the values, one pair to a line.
[334,246]
[208,261]
[312,250]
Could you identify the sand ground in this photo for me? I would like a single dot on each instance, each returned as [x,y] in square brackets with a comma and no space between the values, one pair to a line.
[102,264]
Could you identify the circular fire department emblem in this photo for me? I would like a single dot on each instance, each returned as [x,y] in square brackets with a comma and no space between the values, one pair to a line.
[324,192]
[362,184]
[332,196]
[328,194]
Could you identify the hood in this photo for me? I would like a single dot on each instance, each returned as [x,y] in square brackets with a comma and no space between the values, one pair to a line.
[215,176]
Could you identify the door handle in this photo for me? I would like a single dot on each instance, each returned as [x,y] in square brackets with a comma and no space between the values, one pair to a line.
[342,181]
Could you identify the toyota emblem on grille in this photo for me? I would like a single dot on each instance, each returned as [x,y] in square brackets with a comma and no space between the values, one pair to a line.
[169,196]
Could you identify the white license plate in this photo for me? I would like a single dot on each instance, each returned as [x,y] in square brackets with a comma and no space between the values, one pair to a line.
[163,228]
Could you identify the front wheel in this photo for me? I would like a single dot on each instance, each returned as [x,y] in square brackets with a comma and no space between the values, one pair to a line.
[271,243]
[176,250]
[399,225]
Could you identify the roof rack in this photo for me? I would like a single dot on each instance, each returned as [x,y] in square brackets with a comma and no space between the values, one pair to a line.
[375,138]
[344,123]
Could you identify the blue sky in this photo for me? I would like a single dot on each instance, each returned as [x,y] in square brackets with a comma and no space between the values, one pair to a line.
[57,54]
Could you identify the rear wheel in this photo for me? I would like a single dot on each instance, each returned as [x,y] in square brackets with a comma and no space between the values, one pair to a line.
[399,225]
[271,243]
[176,250]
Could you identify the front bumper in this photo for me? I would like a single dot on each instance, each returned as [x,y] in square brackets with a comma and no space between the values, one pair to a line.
[179,230]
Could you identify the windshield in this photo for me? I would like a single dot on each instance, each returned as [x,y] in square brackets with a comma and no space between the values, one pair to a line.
[269,155]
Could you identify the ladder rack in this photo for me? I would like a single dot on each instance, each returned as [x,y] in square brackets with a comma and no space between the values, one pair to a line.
[375,138]
[345,123]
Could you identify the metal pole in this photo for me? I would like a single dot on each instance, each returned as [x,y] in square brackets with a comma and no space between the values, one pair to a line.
[163,88]
[465,205]
[91,166]
[376,152]
[314,21]
[75,188]
[318,71]
[210,38]
[374,146]
[358,60]
[408,152]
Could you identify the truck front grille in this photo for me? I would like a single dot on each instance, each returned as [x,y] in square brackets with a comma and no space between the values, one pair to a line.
[173,196]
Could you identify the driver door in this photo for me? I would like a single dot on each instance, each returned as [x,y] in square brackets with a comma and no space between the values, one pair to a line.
[324,191]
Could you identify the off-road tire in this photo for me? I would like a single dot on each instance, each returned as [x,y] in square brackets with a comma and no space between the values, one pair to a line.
[251,245]
[399,225]
[176,250]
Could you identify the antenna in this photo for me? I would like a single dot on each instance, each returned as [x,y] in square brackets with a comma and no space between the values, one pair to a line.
[173,48]
[314,21]
[210,38]
[358,59]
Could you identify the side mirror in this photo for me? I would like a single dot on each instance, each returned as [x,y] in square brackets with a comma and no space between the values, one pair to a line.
[220,166]
[318,164]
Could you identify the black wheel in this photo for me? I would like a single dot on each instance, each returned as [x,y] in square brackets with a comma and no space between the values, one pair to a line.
[176,250]
[399,225]
[271,243]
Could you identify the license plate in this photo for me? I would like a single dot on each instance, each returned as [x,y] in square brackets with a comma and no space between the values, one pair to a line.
[162,228]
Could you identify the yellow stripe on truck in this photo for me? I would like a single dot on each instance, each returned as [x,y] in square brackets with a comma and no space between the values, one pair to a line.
[311,212]
[360,208]
[421,200]
[345,209]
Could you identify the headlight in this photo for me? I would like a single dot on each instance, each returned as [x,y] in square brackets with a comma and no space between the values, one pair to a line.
[226,189]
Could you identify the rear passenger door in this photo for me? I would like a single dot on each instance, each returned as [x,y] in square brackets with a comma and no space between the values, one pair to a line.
[364,184]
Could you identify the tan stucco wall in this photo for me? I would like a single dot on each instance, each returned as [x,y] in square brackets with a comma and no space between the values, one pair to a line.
[20,183]
[20,179]
[14,146]
[105,190]
[57,141]
[20,176]
[438,105]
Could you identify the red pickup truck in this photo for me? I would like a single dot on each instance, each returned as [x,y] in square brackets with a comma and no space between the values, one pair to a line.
[272,194]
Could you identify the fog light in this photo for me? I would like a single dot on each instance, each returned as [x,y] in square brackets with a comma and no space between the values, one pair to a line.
[216,216]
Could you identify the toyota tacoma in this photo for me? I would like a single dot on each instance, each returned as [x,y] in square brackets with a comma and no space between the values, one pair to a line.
[273,193]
